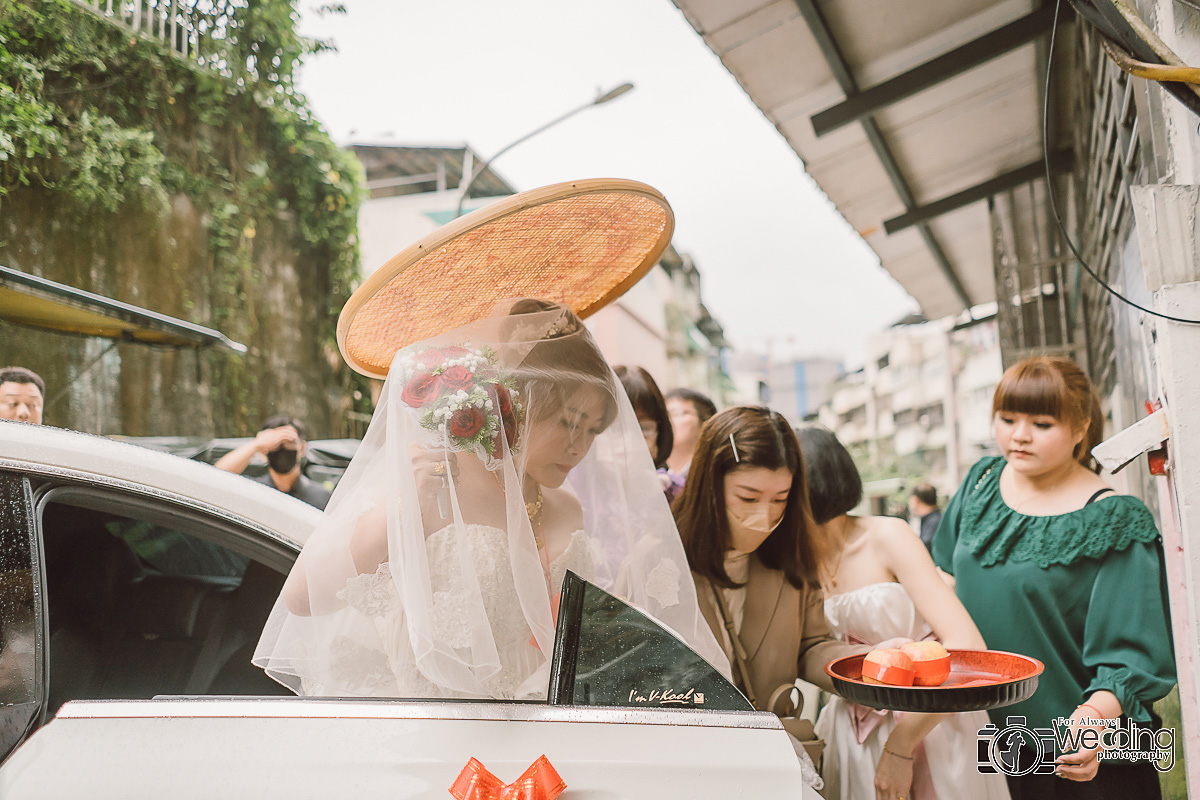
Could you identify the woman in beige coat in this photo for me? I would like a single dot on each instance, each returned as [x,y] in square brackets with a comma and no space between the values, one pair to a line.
[749,537]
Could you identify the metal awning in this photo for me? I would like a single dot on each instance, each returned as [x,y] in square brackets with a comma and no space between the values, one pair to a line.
[39,303]
[908,114]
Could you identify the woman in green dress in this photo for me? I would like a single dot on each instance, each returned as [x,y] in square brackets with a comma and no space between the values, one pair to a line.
[1053,563]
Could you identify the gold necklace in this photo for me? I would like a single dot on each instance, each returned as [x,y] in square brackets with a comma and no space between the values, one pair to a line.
[533,509]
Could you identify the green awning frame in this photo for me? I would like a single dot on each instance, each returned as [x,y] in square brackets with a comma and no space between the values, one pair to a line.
[39,303]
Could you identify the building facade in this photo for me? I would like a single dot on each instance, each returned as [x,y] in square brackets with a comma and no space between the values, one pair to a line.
[918,409]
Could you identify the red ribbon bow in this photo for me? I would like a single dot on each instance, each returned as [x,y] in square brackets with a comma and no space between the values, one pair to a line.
[540,782]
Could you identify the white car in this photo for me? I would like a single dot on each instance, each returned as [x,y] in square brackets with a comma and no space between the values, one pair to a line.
[133,585]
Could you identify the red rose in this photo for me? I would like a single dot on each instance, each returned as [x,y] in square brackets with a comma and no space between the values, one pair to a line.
[510,431]
[453,352]
[510,435]
[457,377]
[504,401]
[429,358]
[466,422]
[420,390]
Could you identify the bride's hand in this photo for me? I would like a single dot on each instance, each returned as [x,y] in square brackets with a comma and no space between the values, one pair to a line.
[429,470]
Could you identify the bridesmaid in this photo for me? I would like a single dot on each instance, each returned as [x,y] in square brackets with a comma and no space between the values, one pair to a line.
[880,583]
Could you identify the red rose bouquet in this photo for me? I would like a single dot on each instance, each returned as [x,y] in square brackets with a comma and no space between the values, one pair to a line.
[462,397]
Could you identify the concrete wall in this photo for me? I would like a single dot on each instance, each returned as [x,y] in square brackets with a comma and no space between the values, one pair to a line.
[275,307]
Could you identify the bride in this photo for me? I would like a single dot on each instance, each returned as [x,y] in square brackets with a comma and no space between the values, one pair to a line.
[500,455]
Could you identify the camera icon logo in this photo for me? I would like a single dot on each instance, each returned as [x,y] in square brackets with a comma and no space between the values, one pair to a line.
[1016,749]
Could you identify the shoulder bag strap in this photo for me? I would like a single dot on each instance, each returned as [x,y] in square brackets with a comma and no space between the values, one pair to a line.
[739,652]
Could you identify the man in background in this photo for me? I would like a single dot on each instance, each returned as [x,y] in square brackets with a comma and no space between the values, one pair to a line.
[281,442]
[923,505]
[22,395]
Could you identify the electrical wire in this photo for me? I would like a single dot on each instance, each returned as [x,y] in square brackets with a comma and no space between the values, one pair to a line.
[1050,186]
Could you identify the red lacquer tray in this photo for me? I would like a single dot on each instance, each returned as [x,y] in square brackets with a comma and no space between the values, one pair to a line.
[979,679]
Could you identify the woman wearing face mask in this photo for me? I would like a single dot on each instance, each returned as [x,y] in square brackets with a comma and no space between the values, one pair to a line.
[880,583]
[750,541]
[1052,562]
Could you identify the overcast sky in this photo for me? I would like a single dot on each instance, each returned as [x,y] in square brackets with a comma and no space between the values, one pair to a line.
[779,265]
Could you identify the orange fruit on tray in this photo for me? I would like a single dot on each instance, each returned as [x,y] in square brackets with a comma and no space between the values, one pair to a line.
[931,663]
[892,667]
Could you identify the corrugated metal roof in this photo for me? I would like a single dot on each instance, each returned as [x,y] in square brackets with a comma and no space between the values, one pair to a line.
[35,302]
[395,169]
[961,132]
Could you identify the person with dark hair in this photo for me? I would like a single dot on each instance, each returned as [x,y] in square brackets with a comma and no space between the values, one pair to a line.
[688,410]
[923,504]
[752,545]
[1052,562]
[22,395]
[501,455]
[281,442]
[881,584]
[651,411]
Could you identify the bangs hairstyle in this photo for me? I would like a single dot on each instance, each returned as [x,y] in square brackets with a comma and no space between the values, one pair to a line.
[834,485]
[1053,387]
[648,403]
[763,439]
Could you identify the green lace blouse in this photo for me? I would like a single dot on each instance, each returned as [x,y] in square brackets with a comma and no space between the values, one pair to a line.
[1082,592]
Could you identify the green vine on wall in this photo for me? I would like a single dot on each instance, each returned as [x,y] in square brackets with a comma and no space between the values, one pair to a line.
[96,116]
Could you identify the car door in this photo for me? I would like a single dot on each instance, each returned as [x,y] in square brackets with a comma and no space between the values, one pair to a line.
[22,645]
[147,597]
[112,591]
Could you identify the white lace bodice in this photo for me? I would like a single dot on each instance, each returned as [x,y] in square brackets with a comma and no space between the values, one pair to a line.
[375,596]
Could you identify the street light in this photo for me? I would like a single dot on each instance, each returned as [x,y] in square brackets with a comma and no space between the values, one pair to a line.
[611,94]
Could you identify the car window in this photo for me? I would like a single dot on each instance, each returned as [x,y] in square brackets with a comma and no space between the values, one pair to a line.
[140,605]
[608,653]
[171,552]
[19,644]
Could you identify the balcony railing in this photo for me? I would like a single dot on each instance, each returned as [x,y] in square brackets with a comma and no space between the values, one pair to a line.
[195,31]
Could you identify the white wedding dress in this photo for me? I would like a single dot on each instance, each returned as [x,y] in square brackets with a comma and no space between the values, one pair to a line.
[869,615]
[376,597]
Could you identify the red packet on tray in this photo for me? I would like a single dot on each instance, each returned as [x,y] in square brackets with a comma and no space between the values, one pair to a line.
[978,680]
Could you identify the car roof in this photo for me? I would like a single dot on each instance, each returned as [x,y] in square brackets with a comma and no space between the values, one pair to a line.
[49,451]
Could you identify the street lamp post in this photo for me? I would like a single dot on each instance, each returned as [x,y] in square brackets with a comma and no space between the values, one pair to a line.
[611,94]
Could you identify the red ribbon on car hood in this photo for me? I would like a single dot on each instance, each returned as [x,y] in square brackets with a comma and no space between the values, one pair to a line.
[540,782]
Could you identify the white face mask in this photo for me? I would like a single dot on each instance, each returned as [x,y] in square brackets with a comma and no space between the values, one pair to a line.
[755,517]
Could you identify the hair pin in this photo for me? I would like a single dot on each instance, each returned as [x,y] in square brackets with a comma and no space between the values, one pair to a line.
[736,458]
